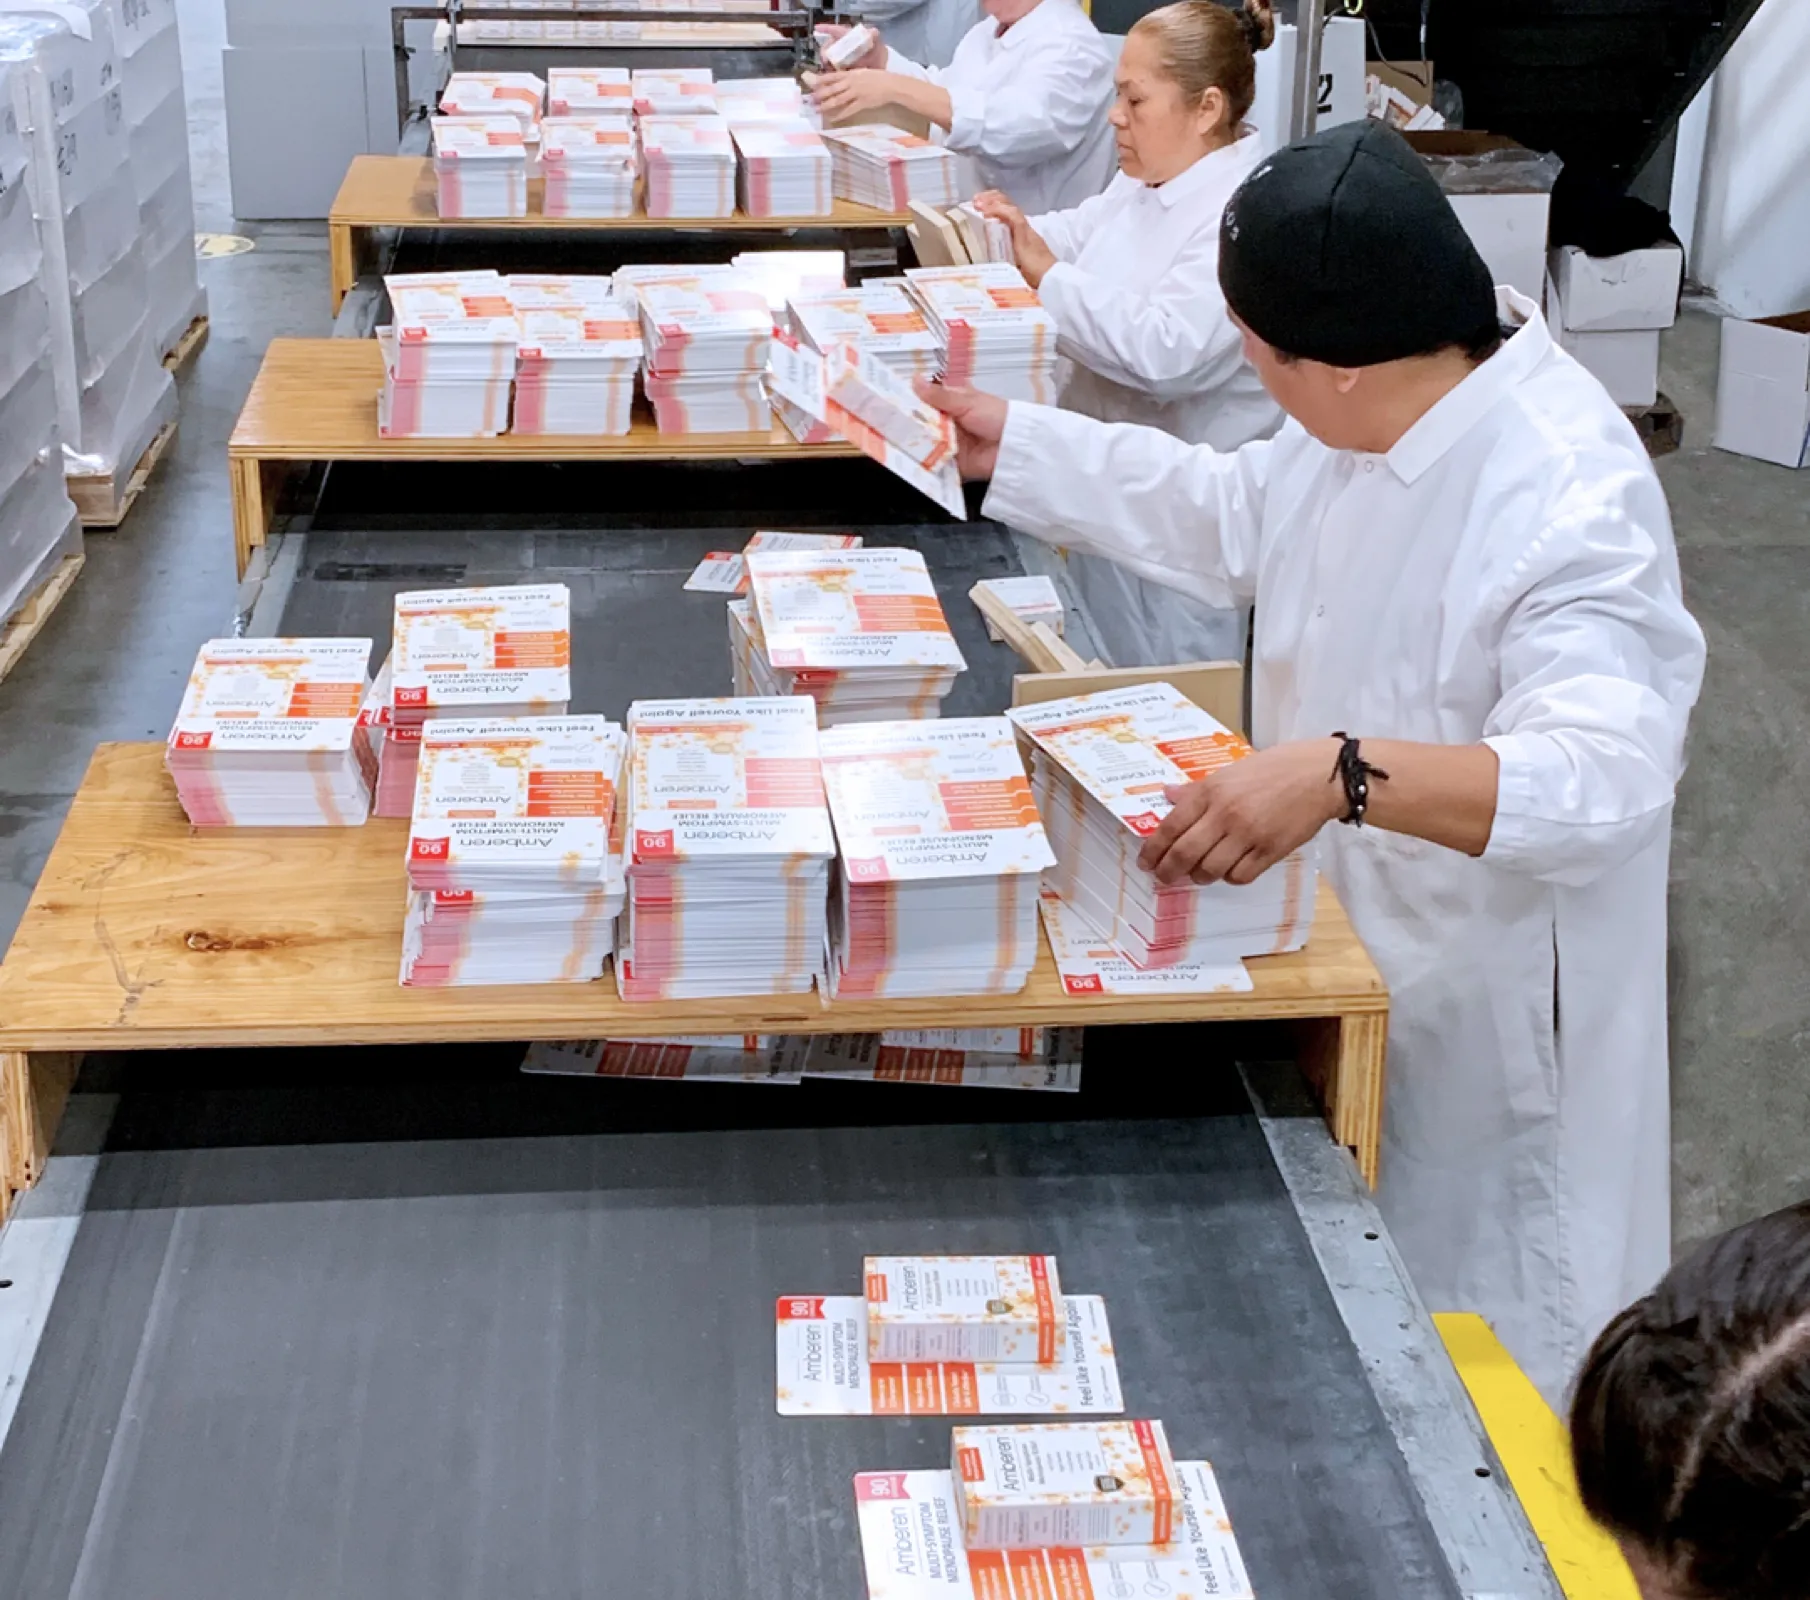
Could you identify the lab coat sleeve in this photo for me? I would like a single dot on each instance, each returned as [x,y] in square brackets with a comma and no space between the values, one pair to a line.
[1065,232]
[1600,665]
[1176,339]
[1048,107]
[1181,515]
[907,68]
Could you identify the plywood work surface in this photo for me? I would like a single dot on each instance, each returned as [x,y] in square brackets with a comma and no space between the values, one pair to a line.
[400,192]
[146,933]
[316,400]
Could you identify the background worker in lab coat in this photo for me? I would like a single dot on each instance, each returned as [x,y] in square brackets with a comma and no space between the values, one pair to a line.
[1462,560]
[1023,102]
[1132,279]
[924,31]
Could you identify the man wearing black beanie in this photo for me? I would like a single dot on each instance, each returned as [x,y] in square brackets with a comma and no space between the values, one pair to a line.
[1471,646]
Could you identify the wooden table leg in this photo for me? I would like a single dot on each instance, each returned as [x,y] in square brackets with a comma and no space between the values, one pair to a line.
[252,504]
[33,1091]
[342,247]
[1344,1059]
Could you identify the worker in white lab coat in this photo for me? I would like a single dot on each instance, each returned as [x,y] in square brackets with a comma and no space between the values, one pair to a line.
[1023,102]
[924,31]
[1472,646]
[1132,279]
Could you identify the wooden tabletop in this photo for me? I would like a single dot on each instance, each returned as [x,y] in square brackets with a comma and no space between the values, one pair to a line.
[316,400]
[145,933]
[400,192]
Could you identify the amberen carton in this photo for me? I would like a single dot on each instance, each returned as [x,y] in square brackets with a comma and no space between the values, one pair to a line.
[964,1308]
[1034,1485]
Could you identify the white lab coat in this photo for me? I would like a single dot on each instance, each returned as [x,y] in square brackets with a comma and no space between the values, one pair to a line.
[1146,338]
[1028,107]
[924,31]
[1505,573]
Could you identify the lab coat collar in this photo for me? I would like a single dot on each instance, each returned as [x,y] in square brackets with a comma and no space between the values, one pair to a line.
[1185,185]
[1421,447]
[1038,17]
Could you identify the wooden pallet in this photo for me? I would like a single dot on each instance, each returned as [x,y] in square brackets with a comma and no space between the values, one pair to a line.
[28,621]
[187,346]
[94,495]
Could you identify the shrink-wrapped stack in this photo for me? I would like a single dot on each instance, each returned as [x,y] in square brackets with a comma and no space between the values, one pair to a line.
[706,352]
[449,354]
[876,164]
[577,357]
[480,166]
[690,166]
[38,525]
[589,166]
[785,169]
[995,333]
[112,393]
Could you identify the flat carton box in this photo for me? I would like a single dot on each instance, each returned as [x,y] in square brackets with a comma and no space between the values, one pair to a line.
[1614,294]
[1763,389]
[1004,1309]
[1077,1483]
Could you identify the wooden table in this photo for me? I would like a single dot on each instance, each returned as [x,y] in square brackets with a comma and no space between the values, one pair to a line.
[145,934]
[400,192]
[316,400]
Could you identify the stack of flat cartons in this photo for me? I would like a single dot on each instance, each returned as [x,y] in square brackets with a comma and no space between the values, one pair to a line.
[878,165]
[673,91]
[785,169]
[706,355]
[485,652]
[38,525]
[266,735]
[994,330]
[690,165]
[940,853]
[511,874]
[577,357]
[589,166]
[1100,769]
[157,116]
[113,395]
[728,850]
[860,632]
[480,167]
[449,355]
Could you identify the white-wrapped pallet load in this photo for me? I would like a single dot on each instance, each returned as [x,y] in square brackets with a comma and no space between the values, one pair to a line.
[113,394]
[158,138]
[38,525]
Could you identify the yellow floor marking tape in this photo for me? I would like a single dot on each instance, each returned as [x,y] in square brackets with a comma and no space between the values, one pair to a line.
[1536,1453]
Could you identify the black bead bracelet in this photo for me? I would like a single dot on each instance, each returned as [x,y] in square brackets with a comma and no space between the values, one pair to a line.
[1355,773]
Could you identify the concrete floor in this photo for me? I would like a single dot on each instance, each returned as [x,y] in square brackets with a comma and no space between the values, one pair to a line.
[112,662]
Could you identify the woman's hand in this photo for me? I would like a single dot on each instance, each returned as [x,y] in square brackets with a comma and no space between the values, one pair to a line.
[1034,257]
[843,95]
[1241,820]
[980,420]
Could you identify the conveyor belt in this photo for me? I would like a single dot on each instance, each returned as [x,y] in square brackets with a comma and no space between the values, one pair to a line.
[410,1326]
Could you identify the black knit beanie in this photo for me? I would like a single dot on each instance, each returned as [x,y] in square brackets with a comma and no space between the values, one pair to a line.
[1342,249]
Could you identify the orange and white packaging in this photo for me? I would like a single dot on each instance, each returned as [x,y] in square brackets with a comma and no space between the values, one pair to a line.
[480,167]
[1089,963]
[1032,598]
[726,571]
[850,609]
[784,168]
[1005,1309]
[1046,1060]
[709,1058]
[583,91]
[875,164]
[520,95]
[912,1550]
[821,1345]
[673,91]
[514,803]
[1032,1486]
[503,650]
[879,317]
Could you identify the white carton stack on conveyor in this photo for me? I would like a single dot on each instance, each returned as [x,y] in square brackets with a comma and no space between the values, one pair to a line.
[38,525]
[112,392]
[157,116]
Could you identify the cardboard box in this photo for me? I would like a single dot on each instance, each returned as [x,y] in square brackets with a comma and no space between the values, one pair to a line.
[1624,361]
[1763,389]
[1411,78]
[1506,223]
[1609,294]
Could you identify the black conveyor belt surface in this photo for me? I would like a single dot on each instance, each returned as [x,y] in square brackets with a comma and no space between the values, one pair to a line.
[360,1325]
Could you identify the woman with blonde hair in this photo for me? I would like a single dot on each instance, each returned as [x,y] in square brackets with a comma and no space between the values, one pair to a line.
[1132,279]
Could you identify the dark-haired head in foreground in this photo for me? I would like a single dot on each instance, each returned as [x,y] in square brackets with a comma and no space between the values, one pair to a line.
[1691,1424]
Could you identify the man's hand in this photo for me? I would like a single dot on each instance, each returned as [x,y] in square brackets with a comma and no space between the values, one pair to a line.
[849,93]
[1033,256]
[1238,822]
[980,420]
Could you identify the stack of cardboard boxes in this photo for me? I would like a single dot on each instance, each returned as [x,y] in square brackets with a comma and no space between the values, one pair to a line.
[1608,311]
